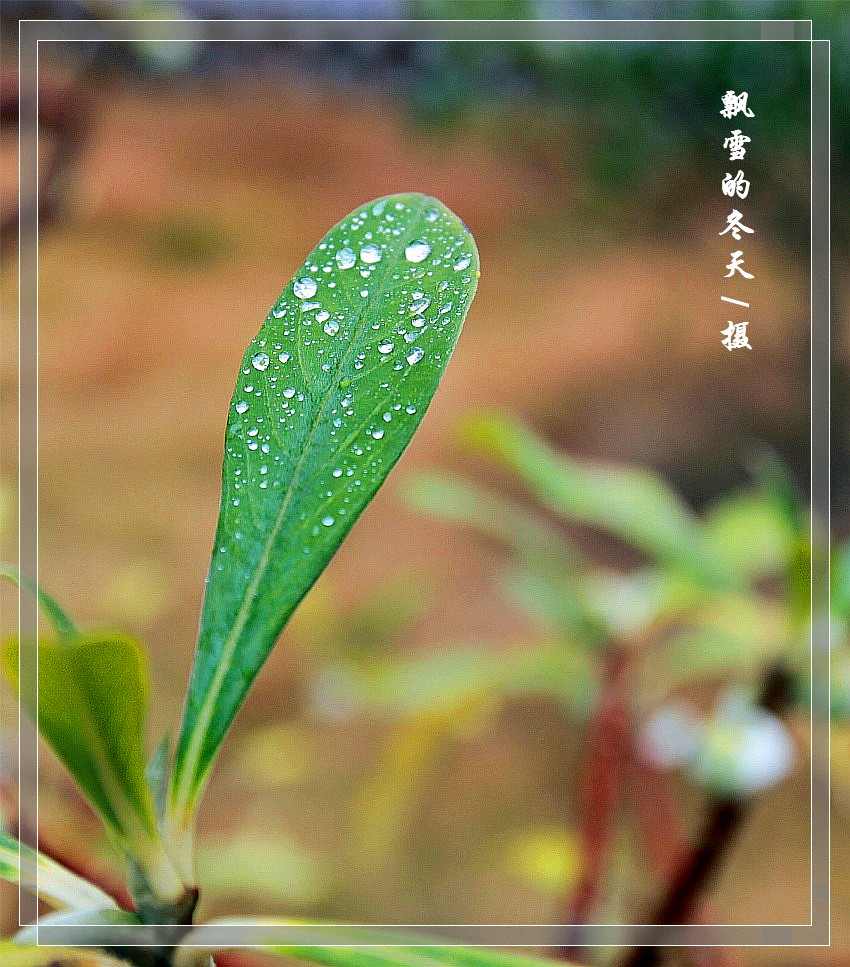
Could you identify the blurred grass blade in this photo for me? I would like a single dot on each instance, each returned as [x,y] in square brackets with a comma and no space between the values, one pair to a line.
[62,624]
[363,946]
[92,701]
[636,506]
[30,955]
[54,884]
[329,395]
[384,803]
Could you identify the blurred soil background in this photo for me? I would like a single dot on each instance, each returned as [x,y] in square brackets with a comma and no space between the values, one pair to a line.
[189,203]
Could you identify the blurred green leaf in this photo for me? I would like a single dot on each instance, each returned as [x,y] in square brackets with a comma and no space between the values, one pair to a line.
[840,583]
[367,946]
[416,956]
[545,586]
[330,394]
[269,866]
[727,639]
[503,520]
[636,506]
[92,701]
[459,675]
[558,601]
[438,698]
[385,799]
[62,624]
[31,955]
[751,531]
[55,885]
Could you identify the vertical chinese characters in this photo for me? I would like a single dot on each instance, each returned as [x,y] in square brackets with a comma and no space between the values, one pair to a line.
[736,185]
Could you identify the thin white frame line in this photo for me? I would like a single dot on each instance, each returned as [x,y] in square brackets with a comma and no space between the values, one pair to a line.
[410,40]
[37,425]
[811,480]
[20,437]
[829,466]
[500,40]
[811,447]
[418,20]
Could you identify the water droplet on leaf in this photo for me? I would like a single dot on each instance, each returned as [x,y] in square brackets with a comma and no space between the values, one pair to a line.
[417,251]
[371,253]
[304,288]
[345,258]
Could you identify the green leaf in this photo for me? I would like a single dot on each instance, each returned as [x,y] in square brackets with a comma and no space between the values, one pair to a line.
[635,505]
[62,624]
[92,700]
[752,530]
[420,955]
[506,521]
[365,946]
[55,885]
[546,585]
[329,395]
[31,955]
[730,638]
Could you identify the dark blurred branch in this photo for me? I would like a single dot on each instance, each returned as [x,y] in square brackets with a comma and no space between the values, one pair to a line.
[600,789]
[662,832]
[726,815]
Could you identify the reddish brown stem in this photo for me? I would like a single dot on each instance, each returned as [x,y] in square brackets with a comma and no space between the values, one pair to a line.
[607,750]
[657,816]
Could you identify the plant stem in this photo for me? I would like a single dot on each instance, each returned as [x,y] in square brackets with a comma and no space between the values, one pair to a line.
[662,833]
[725,817]
[608,749]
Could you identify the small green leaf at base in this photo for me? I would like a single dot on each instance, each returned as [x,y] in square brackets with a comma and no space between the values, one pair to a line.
[30,955]
[92,700]
[54,884]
